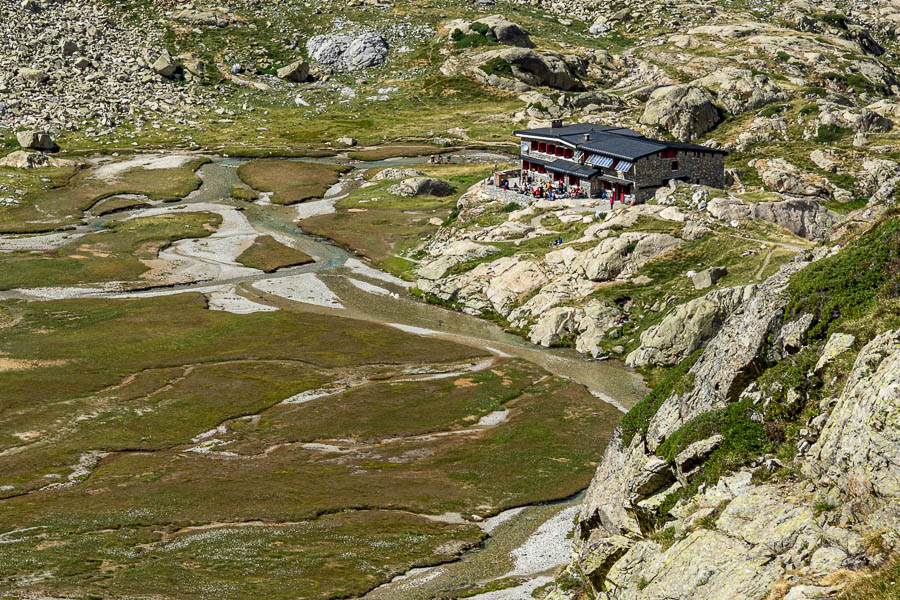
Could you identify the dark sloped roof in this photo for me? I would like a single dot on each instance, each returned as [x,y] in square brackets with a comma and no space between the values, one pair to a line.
[618,142]
[566,166]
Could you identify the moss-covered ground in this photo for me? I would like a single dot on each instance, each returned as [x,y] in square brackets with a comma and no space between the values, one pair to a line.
[267,254]
[114,253]
[290,181]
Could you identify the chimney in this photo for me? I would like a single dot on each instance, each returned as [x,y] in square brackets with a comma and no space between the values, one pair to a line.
[587,137]
[555,123]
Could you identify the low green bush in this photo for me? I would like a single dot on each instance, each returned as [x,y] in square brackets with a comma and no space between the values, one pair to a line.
[831,133]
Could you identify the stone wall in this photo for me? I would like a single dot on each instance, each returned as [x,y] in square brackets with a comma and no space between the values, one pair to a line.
[652,172]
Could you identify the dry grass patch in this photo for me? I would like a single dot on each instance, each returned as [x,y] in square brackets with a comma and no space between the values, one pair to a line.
[290,181]
[267,254]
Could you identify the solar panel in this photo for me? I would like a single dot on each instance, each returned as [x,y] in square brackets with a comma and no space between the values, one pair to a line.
[624,166]
[599,161]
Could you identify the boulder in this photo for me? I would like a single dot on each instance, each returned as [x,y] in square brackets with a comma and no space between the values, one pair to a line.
[36,140]
[624,254]
[553,325]
[825,160]
[421,186]
[870,121]
[803,217]
[783,177]
[836,345]
[204,18]
[395,173]
[687,112]
[349,51]
[33,75]
[297,71]
[347,141]
[708,277]
[33,160]
[507,32]
[696,453]
[68,47]
[687,327]
[165,65]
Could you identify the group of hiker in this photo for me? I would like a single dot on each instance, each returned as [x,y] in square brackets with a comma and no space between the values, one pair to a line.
[438,159]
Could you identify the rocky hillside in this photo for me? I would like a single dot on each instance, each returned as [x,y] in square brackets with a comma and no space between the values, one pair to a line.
[767,464]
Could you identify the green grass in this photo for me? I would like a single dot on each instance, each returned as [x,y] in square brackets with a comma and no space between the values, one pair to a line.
[269,255]
[116,204]
[140,378]
[110,255]
[676,381]
[846,285]
[290,181]
[827,134]
[497,66]
[382,226]
[880,584]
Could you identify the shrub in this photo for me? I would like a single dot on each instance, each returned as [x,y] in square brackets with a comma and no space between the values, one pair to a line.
[480,28]
[773,110]
[782,55]
[475,40]
[809,109]
[835,20]
[831,133]
[497,66]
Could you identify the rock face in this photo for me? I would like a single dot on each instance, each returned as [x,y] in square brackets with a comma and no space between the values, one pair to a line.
[687,327]
[421,186]
[686,111]
[348,51]
[802,217]
[454,254]
[297,71]
[526,69]
[859,448]
[36,140]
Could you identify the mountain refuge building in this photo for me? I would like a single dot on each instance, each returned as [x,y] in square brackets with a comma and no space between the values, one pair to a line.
[614,162]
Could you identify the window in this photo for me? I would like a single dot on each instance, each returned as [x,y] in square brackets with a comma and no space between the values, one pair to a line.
[674,165]
[570,153]
[615,163]
[670,153]
[534,145]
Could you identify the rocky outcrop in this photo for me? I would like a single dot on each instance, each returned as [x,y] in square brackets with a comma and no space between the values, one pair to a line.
[687,112]
[496,26]
[610,502]
[739,91]
[421,186]
[297,71]
[520,69]
[452,255]
[708,277]
[687,327]
[859,447]
[395,173]
[36,140]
